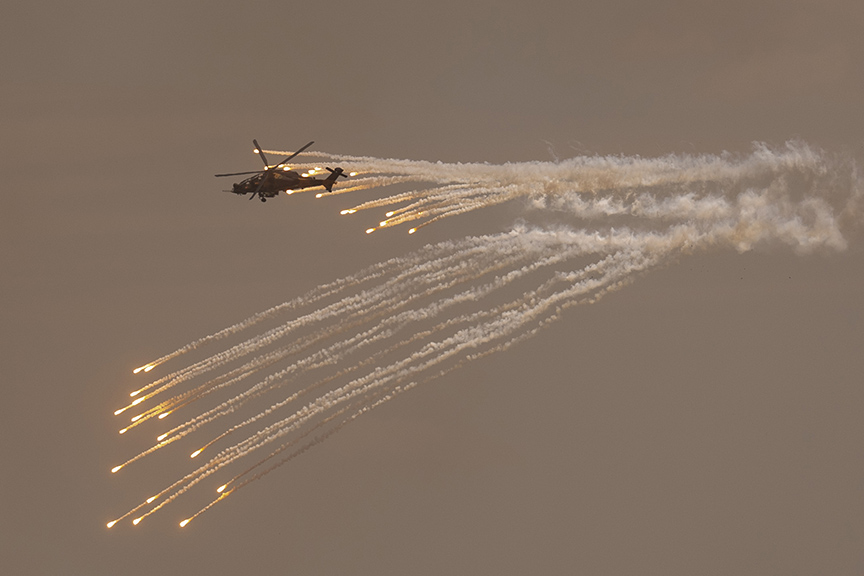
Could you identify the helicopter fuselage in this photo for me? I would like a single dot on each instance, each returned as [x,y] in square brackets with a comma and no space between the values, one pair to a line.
[277,181]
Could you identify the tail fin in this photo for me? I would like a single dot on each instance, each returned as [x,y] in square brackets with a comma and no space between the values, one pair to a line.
[334,174]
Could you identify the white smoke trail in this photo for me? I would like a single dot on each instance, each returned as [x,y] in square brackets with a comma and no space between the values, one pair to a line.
[598,222]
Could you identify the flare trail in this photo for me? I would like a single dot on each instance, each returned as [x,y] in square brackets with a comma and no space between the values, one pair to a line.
[296,373]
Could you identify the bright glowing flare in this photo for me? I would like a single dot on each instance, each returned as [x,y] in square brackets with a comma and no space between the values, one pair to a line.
[116,468]
[145,368]
[136,521]
[185,522]
[196,452]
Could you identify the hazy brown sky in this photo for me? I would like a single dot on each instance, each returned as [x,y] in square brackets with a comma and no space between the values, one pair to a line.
[705,420]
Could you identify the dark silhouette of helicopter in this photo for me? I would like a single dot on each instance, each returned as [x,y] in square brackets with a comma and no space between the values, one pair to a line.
[269,182]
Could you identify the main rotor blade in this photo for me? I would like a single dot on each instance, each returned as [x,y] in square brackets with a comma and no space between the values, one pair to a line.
[260,152]
[239,173]
[288,159]
[260,185]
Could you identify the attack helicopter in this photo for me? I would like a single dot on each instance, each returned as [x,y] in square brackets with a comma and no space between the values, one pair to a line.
[269,182]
